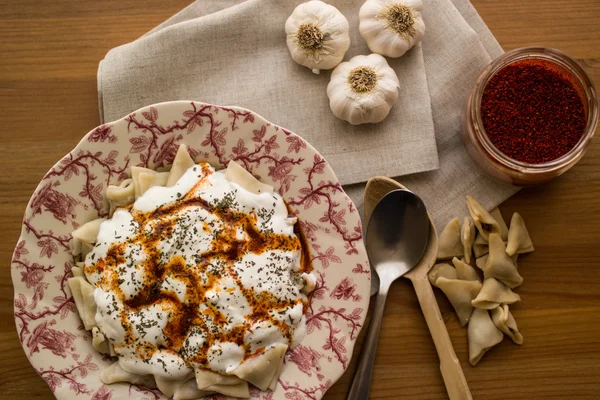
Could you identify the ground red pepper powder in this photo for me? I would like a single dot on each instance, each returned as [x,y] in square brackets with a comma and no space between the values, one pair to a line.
[532,112]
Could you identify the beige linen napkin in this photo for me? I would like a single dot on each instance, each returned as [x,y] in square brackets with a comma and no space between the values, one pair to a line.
[238,55]
[234,53]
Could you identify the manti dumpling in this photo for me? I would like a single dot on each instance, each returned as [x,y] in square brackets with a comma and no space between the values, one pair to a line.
[499,265]
[189,391]
[483,220]
[467,237]
[504,321]
[261,370]
[83,294]
[497,215]
[147,180]
[518,238]
[482,334]
[181,163]
[236,173]
[449,244]
[441,270]
[493,293]
[230,385]
[115,373]
[460,294]
[85,236]
[465,271]
[480,246]
[120,195]
[481,261]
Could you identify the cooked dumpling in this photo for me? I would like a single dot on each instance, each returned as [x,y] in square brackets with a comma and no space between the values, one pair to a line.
[77,271]
[484,222]
[504,321]
[83,294]
[441,270]
[147,180]
[460,294]
[238,174]
[465,271]
[467,237]
[499,265]
[85,236]
[189,391]
[135,176]
[480,246]
[99,341]
[482,334]
[493,293]
[181,163]
[229,385]
[261,369]
[498,217]
[449,241]
[120,195]
[115,373]
[169,387]
[518,238]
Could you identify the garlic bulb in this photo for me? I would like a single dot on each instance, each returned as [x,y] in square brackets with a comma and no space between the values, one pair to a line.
[363,90]
[317,35]
[391,27]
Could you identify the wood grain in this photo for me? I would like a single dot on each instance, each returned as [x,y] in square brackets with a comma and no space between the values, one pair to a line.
[49,52]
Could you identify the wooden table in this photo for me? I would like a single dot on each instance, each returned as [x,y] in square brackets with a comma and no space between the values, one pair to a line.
[49,52]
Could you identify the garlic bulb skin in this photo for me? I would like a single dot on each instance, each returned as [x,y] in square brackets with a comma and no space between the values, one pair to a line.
[391,27]
[363,90]
[317,35]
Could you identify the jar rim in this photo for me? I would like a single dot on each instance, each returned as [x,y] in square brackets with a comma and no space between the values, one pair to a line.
[558,58]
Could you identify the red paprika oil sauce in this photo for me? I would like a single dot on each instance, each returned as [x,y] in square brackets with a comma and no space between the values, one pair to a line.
[533,111]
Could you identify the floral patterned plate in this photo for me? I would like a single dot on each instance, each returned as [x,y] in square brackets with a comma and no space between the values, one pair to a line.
[72,192]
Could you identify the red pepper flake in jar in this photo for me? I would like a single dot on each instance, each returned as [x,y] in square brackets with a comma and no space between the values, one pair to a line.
[532,111]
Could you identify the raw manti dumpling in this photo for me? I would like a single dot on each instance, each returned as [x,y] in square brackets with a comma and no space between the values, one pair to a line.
[238,174]
[518,238]
[85,236]
[120,195]
[190,391]
[83,294]
[482,334]
[499,265]
[467,237]
[229,385]
[449,241]
[181,163]
[115,373]
[480,246]
[493,293]
[465,271]
[261,369]
[481,261]
[147,180]
[99,341]
[483,220]
[441,270]
[498,217]
[504,321]
[460,294]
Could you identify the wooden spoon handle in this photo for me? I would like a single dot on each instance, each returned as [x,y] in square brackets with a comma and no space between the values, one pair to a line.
[456,384]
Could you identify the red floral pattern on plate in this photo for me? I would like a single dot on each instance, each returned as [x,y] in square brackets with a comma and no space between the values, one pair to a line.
[72,192]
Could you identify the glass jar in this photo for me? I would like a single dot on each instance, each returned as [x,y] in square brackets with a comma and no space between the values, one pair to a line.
[499,165]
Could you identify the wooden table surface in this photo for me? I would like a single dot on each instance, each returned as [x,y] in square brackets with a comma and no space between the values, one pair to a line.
[49,53]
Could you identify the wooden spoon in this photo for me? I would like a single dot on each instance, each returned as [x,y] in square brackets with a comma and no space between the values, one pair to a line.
[454,379]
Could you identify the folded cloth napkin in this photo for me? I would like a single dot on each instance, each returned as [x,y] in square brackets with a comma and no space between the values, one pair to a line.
[238,56]
[231,52]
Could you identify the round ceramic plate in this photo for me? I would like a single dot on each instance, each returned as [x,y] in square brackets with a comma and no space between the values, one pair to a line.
[72,193]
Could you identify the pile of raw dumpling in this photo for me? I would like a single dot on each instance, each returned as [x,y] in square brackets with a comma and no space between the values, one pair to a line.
[485,240]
